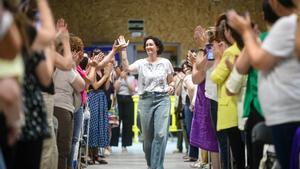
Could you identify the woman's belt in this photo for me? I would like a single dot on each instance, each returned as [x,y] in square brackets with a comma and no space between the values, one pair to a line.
[153,94]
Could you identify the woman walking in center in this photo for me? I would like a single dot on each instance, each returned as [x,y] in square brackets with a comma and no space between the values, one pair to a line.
[155,83]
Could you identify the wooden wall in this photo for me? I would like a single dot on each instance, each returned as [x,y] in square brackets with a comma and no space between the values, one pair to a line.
[101,21]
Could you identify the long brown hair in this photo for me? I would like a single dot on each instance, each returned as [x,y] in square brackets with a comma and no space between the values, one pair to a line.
[220,29]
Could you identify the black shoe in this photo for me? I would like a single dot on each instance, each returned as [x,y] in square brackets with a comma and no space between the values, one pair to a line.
[191,160]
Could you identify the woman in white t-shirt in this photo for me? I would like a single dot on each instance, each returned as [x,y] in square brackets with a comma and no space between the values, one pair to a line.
[125,88]
[279,76]
[155,83]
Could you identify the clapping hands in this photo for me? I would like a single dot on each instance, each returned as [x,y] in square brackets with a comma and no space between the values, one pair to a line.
[191,58]
[200,59]
[239,23]
[96,59]
[62,29]
[120,43]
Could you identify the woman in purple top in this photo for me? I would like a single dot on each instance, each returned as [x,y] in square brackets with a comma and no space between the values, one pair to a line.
[202,132]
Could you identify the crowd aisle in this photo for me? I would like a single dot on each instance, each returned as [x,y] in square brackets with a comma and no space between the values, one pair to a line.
[134,158]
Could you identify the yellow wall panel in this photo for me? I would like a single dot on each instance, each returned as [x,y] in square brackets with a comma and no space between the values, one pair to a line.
[101,21]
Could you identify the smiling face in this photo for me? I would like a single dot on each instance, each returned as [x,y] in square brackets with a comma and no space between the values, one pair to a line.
[151,48]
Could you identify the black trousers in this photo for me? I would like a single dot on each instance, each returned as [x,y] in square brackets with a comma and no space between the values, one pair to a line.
[28,154]
[7,150]
[221,135]
[24,154]
[126,117]
[237,146]
[254,150]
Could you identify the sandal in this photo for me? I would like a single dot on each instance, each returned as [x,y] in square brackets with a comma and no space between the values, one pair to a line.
[91,162]
[100,160]
[191,160]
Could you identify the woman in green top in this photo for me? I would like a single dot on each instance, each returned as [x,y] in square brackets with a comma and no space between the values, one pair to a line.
[252,108]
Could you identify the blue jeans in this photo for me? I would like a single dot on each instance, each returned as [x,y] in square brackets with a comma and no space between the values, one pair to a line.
[78,118]
[2,163]
[155,118]
[188,117]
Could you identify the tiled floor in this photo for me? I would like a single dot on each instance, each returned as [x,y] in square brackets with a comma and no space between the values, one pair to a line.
[134,159]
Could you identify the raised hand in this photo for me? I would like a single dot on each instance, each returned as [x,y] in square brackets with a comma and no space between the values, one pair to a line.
[62,29]
[200,36]
[94,61]
[191,58]
[239,23]
[121,40]
[60,24]
[201,61]
[120,43]
[100,56]
[97,59]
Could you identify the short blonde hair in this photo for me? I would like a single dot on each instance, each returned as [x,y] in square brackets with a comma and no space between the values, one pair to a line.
[76,43]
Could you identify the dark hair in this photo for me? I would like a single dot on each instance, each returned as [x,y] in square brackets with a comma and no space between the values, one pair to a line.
[238,38]
[177,69]
[31,10]
[287,3]
[195,50]
[185,63]
[96,51]
[83,63]
[119,67]
[269,15]
[235,35]
[157,42]
[220,28]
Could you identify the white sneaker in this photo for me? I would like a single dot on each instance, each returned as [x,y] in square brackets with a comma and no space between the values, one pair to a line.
[205,166]
[196,164]
[199,164]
